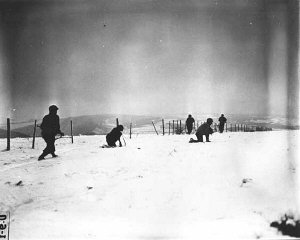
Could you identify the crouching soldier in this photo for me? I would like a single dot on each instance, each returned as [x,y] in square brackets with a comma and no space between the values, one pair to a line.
[50,128]
[114,136]
[204,129]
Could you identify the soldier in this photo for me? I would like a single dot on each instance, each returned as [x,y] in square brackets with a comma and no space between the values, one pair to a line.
[114,136]
[204,129]
[189,123]
[222,121]
[50,128]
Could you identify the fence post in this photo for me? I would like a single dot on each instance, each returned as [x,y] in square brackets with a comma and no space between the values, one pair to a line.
[173,127]
[179,126]
[72,131]
[130,130]
[226,127]
[154,127]
[163,125]
[169,127]
[117,121]
[8,134]
[33,137]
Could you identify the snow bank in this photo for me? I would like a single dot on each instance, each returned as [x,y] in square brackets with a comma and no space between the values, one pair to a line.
[157,187]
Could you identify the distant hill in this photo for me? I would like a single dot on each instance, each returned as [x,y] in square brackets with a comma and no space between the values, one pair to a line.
[270,122]
[89,124]
[13,134]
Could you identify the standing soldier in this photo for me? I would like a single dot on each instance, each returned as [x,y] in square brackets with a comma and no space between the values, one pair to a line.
[189,123]
[204,129]
[50,128]
[222,121]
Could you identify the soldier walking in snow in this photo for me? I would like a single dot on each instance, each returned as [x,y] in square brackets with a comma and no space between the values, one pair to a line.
[50,128]
[204,129]
[189,123]
[114,136]
[222,121]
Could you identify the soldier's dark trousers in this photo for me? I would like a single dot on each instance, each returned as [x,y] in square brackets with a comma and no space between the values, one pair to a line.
[189,129]
[221,128]
[200,137]
[50,148]
[110,142]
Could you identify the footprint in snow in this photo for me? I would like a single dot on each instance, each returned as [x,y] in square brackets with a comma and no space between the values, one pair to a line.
[245,181]
[20,183]
[28,201]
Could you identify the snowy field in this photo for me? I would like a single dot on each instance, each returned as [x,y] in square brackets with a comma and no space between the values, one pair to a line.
[157,187]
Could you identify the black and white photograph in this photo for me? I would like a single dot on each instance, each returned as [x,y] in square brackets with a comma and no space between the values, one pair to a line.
[149,119]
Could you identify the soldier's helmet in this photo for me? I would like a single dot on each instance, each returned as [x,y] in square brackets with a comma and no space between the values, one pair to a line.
[209,121]
[120,127]
[53,108]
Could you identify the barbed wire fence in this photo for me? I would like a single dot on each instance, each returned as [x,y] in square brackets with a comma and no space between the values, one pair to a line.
[158,127]
[178,126]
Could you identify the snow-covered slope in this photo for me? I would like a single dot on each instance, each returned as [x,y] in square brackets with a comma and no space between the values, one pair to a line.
[157,187]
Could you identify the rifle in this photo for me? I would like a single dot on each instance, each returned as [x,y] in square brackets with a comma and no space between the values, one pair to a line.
[124,141]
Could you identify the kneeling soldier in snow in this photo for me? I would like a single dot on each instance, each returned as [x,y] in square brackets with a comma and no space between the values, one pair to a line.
[114,136]
[50,127]
[204,129]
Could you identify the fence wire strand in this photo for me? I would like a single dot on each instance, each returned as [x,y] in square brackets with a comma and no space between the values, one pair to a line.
[159,127]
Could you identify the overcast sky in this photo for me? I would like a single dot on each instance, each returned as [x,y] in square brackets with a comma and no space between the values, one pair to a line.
[148,57]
